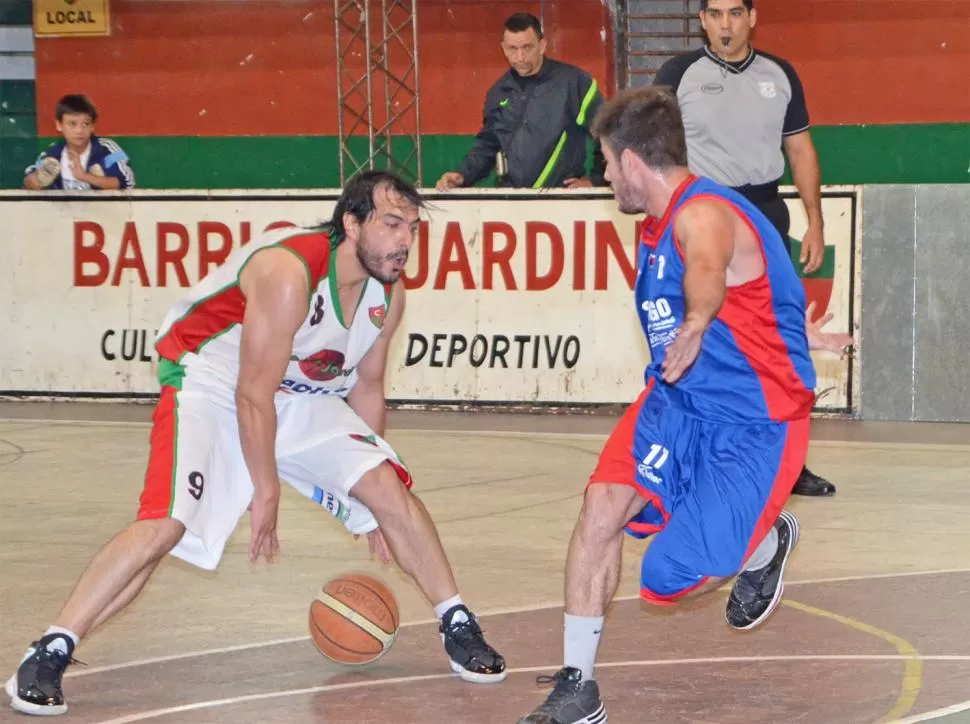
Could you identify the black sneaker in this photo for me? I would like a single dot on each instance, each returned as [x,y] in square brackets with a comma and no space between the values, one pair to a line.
[756,593]
[36,687]
[470,657]
[572,701]
[812,485]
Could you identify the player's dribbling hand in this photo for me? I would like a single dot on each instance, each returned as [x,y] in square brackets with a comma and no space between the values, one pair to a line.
[378,546]
[682,352]
[263,515]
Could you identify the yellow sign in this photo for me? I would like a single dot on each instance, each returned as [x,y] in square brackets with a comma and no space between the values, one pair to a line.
[57,18]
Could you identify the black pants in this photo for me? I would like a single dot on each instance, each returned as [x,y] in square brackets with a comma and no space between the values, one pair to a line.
[777,212]
[769,203]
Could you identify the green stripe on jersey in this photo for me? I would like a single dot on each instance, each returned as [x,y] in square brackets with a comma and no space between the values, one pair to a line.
[170,374]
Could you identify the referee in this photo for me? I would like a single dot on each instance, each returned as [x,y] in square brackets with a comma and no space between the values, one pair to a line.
[744,111]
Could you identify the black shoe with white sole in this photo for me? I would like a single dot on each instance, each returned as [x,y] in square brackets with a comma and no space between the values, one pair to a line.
[757,593]
[470,657]
[813,485]
[36,687]
[572,701]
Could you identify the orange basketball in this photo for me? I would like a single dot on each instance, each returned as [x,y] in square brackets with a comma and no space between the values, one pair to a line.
[354,619]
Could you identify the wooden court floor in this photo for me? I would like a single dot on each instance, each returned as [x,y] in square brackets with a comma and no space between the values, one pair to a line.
[873,628]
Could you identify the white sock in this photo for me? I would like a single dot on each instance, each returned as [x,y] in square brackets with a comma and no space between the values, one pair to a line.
[59,643]
[581,638]
[442,608]
[764,552]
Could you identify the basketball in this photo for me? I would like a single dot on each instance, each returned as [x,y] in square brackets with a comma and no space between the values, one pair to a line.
[354,619]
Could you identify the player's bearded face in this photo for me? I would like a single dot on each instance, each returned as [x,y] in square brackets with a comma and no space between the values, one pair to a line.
[386,237]
[385,267]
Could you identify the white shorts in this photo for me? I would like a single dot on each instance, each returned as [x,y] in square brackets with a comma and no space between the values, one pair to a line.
[197,475]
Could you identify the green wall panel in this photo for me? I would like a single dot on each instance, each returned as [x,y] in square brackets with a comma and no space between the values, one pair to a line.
[17,96]
[16,12]
[930,153]
[894,154]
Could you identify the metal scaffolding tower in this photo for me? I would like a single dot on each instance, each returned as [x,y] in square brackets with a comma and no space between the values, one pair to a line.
[649,32]
[377,87]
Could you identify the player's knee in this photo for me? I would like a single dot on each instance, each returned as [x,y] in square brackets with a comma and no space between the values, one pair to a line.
[156,537]
[664,578]
[383,491]
[606,509]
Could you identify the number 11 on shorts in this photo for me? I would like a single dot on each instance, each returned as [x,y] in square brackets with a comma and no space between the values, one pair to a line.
[656,457]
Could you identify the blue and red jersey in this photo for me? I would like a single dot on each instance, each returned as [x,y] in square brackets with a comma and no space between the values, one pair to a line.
[754,363]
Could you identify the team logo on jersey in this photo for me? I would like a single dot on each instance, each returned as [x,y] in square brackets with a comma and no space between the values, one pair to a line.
[767,89]
[376,315]
[323,366]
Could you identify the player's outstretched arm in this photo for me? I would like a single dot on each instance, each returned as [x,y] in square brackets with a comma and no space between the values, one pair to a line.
[367,396]
[706,234]
[276,287]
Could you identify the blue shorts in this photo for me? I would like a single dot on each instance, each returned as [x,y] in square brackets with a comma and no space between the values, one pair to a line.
[713,490]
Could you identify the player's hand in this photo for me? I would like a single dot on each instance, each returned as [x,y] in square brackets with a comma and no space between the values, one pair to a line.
[813,249]
[378,546]
[578,183]
[682,352]
[836,342]
[264,512]
[450,180]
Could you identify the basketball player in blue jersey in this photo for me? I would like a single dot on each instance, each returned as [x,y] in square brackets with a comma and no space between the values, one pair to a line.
[705,459]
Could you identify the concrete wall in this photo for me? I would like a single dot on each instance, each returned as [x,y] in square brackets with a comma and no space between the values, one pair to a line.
[915,335]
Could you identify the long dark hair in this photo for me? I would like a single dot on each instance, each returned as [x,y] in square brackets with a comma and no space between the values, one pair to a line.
[358,198]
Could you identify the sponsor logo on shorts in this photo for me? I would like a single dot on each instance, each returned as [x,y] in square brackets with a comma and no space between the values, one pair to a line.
[647,472]
[367,439]
[654,459]
[327,500]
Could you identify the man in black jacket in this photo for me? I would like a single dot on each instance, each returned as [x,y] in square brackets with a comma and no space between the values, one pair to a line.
[534,131]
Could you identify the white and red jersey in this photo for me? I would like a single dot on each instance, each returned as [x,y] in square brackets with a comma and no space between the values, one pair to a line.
[202,332]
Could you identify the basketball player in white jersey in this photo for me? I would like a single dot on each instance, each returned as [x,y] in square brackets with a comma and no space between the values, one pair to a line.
[272,367]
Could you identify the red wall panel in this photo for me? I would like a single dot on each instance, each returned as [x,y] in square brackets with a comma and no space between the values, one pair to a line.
[875,61]
[254,67]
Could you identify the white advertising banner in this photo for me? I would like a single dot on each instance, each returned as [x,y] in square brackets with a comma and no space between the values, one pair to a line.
[512,298]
